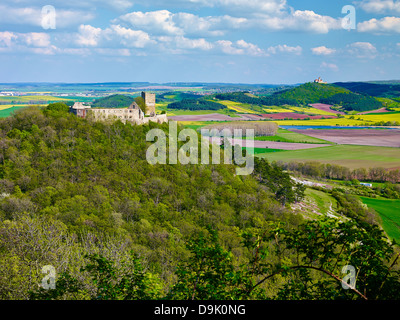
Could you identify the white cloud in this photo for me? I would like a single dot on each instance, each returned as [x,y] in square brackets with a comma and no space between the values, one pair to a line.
[362,50]
[77,51]
[7,38]
[209,26]
[380,6]
[384,25]
[299,21]
[329,66]
[158,22]
[285,49]
[88,36]
[240,47]
[32,42]
[33,16]
[36,39]
[242,6]
[82,5]
[323,51]
[249,48]
[164,22]
[128,37]
[185,43]
[45,50]
[31,39]
[114,36]
[113,52]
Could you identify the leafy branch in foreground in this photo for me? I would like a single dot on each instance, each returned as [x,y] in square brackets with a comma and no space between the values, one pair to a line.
[312,256]
[308,261]
[129,282]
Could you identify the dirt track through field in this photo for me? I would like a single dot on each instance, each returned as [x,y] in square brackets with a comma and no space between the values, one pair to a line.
[277,145]
[366,137]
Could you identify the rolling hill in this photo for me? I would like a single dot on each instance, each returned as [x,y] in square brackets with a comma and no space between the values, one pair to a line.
[372,89]
[309,93]
[113,101]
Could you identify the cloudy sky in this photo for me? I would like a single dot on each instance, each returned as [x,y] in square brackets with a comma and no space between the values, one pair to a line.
[235,41]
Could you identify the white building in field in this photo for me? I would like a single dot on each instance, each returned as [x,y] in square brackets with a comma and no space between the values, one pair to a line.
[366,184]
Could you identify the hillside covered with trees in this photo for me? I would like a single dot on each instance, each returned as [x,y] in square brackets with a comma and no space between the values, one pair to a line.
[312,92]
[80,196]
[309,93]
[196,104]
[352,101]
[113,101]
[372,89]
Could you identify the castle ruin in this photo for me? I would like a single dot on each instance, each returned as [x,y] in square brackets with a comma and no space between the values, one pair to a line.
[150,101]
[319,80]
[132,114]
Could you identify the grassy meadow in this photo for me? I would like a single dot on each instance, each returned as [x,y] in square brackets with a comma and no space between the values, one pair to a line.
[389,211]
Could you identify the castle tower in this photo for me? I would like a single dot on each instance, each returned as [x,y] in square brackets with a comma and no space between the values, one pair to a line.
[150,101]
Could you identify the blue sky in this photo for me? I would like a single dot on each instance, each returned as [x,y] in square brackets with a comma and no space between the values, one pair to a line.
[235,41]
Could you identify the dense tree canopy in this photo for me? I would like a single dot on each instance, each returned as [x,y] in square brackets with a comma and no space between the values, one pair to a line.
[353,101]
[113,101]
[80,196]
[196,104]
[309,93]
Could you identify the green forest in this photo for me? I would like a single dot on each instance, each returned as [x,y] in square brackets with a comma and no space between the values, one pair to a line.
[113,101]
[353,101]
[386,90]
[312,92]
[80,196]
[308,93]
[196,104]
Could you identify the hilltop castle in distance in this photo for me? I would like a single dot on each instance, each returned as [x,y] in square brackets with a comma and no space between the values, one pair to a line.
[132,114]
[319,80]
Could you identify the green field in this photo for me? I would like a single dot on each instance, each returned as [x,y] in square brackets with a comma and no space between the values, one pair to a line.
[389,211]
[26,99]
[7,112]
[350,156]
[265,150]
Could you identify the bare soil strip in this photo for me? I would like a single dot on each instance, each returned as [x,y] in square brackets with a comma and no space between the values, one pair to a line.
[366,137]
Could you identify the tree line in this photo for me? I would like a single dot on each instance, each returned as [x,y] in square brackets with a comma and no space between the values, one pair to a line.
[352,101]
[332,171]
[196,104]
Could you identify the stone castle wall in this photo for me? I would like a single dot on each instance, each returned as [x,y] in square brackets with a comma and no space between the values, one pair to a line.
[125,115]
[150,101]
[133,114]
